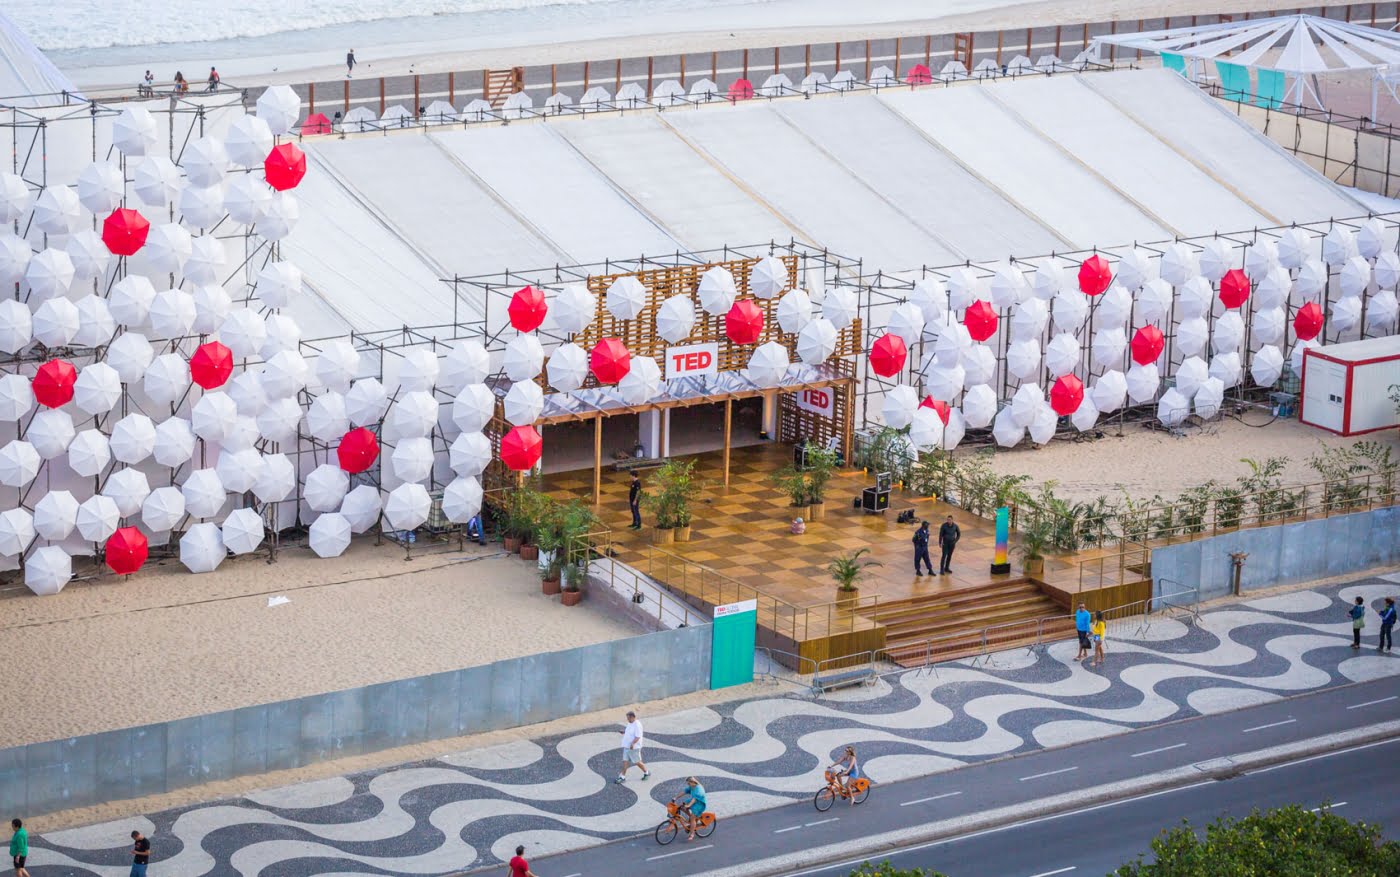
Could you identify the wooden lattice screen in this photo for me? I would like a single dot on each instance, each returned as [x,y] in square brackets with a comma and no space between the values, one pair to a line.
[795,424]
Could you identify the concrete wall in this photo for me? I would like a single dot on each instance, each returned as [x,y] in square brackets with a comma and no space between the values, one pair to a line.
[131,762]
[1281,555]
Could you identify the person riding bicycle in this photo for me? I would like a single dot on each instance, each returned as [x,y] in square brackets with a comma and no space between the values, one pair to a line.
[690,803]
[847,770]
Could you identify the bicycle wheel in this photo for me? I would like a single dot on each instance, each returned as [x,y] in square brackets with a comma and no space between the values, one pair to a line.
[666,832]
[860,790]
[707,825]
[824,799]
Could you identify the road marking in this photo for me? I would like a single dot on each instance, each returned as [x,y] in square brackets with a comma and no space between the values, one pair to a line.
[926,800]
[1053,873]
[679,853]
[1357,706]
[1329,806]
[1155,751]
[822,821]
[1270,725]
[1323,755]
[790,828]
[580,874]
[1048,773]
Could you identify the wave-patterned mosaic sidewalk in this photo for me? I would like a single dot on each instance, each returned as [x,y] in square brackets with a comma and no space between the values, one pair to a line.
[471,809]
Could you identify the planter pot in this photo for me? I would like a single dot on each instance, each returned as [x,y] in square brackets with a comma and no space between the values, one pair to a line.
[663,535]
[1034,566]
[512,544]
[847,599]
[529,552]
[683,533]
[549,587]
[570,598]
[816,511]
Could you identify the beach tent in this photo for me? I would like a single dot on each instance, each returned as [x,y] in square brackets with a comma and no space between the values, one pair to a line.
[360,119]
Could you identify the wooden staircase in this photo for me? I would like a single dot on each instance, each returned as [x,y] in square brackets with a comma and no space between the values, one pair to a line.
[956,624]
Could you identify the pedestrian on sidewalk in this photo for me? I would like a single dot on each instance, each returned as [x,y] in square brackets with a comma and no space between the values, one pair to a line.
[1387,625]
[1358,621]
[140,854]
[213,80]
[518,866]
[349,63]
[1082,620]
[634,500]
[632,748]
[948,536]
[19,847]
[921,556]
[1097,632]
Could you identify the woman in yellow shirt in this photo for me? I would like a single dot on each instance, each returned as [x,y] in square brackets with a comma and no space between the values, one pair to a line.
[1097,630]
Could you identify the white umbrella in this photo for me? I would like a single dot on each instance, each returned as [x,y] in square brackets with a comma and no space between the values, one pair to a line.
[14,257]
[338,363]
[1062,354]
[131,355]
[283,333]
[204,493]
[326,418]
[56,322]
[243,332]
[280,108]
[1109,392]
[1381,312]
[717,291]
[1295,356]
[954,429]
[1190,375]
[1266,366]
[1007,432]
[1043,424]
[134,131]
[239,470]
[817,341]
[979,406]
[1259,259]
[461,500]
[366,402]
[329,535]
[47,570]
[172,314]
[247,198]
[16,326]
[1178,264]
[1338,245]
[470,453]
[57,210]
[412,459]
[16,397]
[156,182]
[1025,402]
[964,287]
[167,247]
[1142,383]
[247,393]
[795,312]
[953,341]
[1070,309]
[523,403]
[1134,269]
[1085,416]
[626,297]
[1355,276]
[466,362]
[361,507]
[1208,398]
[242,435]
[1007,286]
[839,306]
[1048,279]
[1370,238]
[50,432]
[1173,407]
[768,278]
[413,415]
[207,260]
[567,370]
[279,419]
[205,161]
[1023,359]
[325,487]
[1029,318]
[130,300]
[1272,289]
[419,370]
[242,531]
[278,284]
[474,407]
[979,364]
[1311,280]
[89,453]
[15,197]
[945,381]
[49,274]
[931,297]
[574,309]
[19,463]
[1387,270]
[16,531]
[642,381]
[202,548]
[201,206]
[1345,313]
[1108,347]
[95,324]
[1294,247]
[1192,335]
[407,506]
[55,514]
[174,442]
[98,518]
[276,480]
[899,406]
[248,141]
[133,438]
[1226,368]
[89,255]
[524,357]
[926,429]
[128,488]
[1114,307]
[284,375]
[767,365]
[1229,332]
[1269,325]
[213,415]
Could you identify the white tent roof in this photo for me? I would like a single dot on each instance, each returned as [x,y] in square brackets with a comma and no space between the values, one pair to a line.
[25,70]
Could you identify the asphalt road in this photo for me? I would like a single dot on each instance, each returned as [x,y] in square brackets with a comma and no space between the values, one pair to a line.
[1007,782]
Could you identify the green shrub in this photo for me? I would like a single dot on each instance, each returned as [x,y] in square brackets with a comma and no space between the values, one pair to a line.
[885,869]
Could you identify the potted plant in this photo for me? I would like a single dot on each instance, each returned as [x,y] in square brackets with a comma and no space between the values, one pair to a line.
[848,569]
[675,488]
[793,482]
[820,465]
[575,574]
[550,538]
[1035,538]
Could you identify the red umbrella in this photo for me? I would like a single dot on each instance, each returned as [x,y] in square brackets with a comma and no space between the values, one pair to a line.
[53,383]
[124,231]
[1067,395]
[316,123]
[980,320]
[1307,324]
[284,166]
[211,365]
[940,407]
[742,89]
[1234,288]
[1094,275]
[610,362]
[526,309]
[919,75]
[1147,345]
[126,551]
[521,448]
[887,355]
[358,450]
[744,322]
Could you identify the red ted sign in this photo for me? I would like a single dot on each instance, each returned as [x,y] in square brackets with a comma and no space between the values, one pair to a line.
[691,360]
[817,401]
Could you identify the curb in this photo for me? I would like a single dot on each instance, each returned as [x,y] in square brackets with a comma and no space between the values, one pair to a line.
[1216,769]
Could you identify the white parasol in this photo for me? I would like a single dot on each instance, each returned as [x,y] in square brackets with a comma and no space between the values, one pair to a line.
[1370,238]
[248,141]
[361,507]
[243,332]
[1190,375]
[767,365]
[1295,356]
[16,326]
[1381,312]
[174,442]
[89,453]
[56,322]
[134,131]
[931,297]
[979,364]
[325,487]
[1294,247]
[1259,259]
[1178,264]
[19,463]
[278,284]
[954,429]
[49,274]
[474,407]
[574,309]
[279,419]
[1387,270]
[1226,368]
[205,161]
[1109,392]
[899,406]
[524,357]
[1062,354]
[964,287]
[202,548]
[57,210]
[1029,318]
[717,291]
[1007,286]
[55,514]
[98,518]
[50,432]
[242,531]
[213,415]
[239,470]
[284,375]
[1108,347]
[1206,402]
[326,419]
[1269,325]
[1266,366]
[1355,276]
[1048,279]
[466,362]
[1192,335]
[1311,281]
[945,381]
[1338,245]
[1025,402]
[366,402]
[926,429]
[795,312]
[953,341]
[626,297]
[156,182]
[1345,313]
[675,320]
[16,531]
[1142,383]
[817,341]
[247,393]
[172,314]
[201,206]
[642,381]
[1114,307]
[419,370]
[1272,289]
[1229,332]
[839,306]
[277,479]
[768,278]
[1134,269]
[338,364]
[1173,407]
[979,406]
[128,488]
[523,403]
[16,397]
[15,197]
[47,570]
[282,333]
[204,493]
[412,459]
[329,535]
[281,217]
[1043,424]
[1070,309]
[89,255]
[242,435]
[413,415]
[1085,416]
[1007,432]
[280,108]
[461,500]
[207,260]
[470,453]
[407,506]
[167,247]
[1023,359]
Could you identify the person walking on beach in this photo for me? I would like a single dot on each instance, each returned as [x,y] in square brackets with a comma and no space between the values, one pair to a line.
[1357,614]
[1098,630]
[1387,624]
[140,854]
[349,63]
[148,85]
[19,847]
[213,80]
[921,537]
[634,500]
[518,866]
[948,536]
[1082,622]
[181,86]
[632,748]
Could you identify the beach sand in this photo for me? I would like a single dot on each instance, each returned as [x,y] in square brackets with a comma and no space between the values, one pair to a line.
[166,644]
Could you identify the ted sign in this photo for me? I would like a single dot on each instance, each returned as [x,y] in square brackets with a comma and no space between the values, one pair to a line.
[691,360]
[817,401]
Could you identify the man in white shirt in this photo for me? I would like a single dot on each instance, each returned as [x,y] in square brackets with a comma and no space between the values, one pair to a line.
[632,748]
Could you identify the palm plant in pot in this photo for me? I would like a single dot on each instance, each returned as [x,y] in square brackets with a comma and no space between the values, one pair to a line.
[524,509]
[575,553]
[820,465]
[847,570]
[1035,539]
[550,538]
[676,488]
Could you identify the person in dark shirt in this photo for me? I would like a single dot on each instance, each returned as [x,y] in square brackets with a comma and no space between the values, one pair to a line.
[634,501]
[349,63]
[1387,625]
[213,80]
[140,854]
[948,536]
[921,557]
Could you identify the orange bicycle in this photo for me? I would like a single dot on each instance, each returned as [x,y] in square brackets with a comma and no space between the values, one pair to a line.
[857,790]
[675,824]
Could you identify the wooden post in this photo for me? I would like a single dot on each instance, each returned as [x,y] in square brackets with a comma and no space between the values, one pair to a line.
[452,88]
[1112,50]
[1057,41]
[682,70]
[347,97]
[617,80]
[553,79]
[867,62]
[650,67]
[381,92]
[1030,47]
[416,99]
[310,98]
[728,422]
[807,62]
[776,65]
[598,460]
[897,42]
[928,52]
[714,67]
[1373,15]
[838,59]
[746,64]
[1086,35]
[999,38]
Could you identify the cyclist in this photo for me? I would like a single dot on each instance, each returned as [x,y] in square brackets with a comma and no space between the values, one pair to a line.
[847,769]
[691,804]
